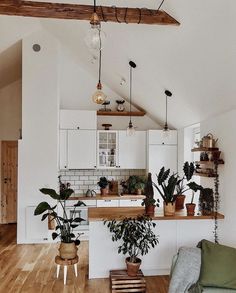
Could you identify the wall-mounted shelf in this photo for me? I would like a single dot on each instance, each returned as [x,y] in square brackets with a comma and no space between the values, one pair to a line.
[116,113]
[205,149]
[210,163]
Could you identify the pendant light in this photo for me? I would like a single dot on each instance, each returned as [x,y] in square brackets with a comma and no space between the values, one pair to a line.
[166,130]
[99,97]
[131,128]
[95,33]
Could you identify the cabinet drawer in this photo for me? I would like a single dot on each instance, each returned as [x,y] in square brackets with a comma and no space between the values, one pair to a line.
[76,119]
[107,203]
[130,202]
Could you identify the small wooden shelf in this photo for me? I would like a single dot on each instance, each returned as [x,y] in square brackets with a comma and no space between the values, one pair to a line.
[205,149]
[204,175]
[210,163]
[116,113]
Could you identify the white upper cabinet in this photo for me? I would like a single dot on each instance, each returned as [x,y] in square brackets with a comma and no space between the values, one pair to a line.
[81,152]
[78,119]
[132,150]
[156,137]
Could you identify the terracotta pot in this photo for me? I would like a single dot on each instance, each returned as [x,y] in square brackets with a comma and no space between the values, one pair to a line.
[104,191]
[169,209]
[139,191]
[133,268]
[68,250]
[190,209]
[150,210]
[179,203]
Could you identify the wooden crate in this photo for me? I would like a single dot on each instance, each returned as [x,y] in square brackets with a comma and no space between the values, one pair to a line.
[121,282]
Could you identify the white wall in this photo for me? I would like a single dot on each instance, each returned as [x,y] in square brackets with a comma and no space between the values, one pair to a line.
[77,86]
[222,127]
[40,111]
[10,111]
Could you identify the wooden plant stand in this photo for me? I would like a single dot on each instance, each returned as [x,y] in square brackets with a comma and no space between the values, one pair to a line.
[65,263]
[121,282]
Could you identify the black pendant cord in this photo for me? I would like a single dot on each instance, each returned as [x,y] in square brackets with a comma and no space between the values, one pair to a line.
[159,7]
[166,126]
[94,6]
[100,57]
[130,95]
[217,203]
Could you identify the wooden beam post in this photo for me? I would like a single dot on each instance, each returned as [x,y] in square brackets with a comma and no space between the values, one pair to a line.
[84,12]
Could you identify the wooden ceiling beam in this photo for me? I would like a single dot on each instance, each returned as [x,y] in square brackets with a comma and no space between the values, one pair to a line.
[84,12]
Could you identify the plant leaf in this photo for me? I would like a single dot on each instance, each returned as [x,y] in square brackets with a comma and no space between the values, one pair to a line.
[79,203]
[51,192]
[41,208]
[44,216]
[78,220]
[54,235]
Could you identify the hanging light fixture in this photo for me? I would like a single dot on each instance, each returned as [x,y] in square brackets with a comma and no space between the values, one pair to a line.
[130,128]
[166,130]
[99,97]
[95,33]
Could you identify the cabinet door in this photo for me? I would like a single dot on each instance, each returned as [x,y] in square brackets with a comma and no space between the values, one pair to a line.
[81,149]
[107,203]
[161,156]
[130,202]
[63,149]
[107,149]
[156,137]
[78,119]
[132,150]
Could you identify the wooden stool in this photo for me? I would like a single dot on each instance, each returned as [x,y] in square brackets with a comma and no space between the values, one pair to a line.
[121,282]
[66,262]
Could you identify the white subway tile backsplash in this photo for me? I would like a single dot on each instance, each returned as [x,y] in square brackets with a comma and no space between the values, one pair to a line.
[82,180]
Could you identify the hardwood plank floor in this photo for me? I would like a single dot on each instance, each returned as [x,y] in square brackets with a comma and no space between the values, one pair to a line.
[31,268]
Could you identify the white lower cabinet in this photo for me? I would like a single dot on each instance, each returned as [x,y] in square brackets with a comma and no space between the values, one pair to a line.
[107,203]
[130,202]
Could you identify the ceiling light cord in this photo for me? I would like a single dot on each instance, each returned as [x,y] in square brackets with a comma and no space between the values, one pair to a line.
[130,94]
[94,6]
[100,57]
[159,7]
[166,126]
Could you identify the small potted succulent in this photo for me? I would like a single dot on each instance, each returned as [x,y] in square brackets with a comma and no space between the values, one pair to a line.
[181,187]
[136,237]
[166,188]
[103,183]
[65,224]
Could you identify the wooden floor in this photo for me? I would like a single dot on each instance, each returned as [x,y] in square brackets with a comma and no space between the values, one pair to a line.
[31,268]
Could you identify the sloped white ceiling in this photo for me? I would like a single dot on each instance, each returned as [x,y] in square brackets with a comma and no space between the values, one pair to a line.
[196,61]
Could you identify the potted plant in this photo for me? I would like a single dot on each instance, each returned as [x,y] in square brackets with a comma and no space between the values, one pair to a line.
[166,188]
[190,207]
[149,201]
[181,188]
[140,185]
[65,225]
[132,184]
[136,238]
[103,184]
[206,201]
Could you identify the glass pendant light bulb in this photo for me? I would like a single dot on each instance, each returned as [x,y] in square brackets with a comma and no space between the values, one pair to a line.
[92,38]
[99,97]
[165,133]
[130,129]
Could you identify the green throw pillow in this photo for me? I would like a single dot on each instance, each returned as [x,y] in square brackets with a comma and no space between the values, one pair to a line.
[218,268]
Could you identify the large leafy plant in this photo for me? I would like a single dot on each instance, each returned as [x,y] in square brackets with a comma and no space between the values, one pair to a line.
[64,224]
[136,235]
[188,174]
[166,185]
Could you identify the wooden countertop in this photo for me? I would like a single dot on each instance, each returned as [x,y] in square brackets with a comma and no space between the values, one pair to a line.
[99,197]
[109,213]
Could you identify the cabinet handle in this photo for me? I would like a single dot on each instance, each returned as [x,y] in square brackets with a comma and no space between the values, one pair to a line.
[133,199]
[65,167]
[77,127]
[107,200]
[163,143]
[95,167]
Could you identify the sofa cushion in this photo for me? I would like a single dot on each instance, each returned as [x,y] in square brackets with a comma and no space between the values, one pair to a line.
[218,268]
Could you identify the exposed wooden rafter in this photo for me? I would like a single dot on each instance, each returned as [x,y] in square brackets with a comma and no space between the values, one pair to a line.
[84,12]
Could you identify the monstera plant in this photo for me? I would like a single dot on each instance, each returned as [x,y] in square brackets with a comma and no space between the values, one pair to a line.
[64,223]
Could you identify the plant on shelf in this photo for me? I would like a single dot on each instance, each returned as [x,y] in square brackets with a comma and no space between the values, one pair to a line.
[206,201]
[181,188]
[140,184]
[136,237]
[149,202]
[191,206]
[65,223]
[133,185]
[166,188]
[103,183]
